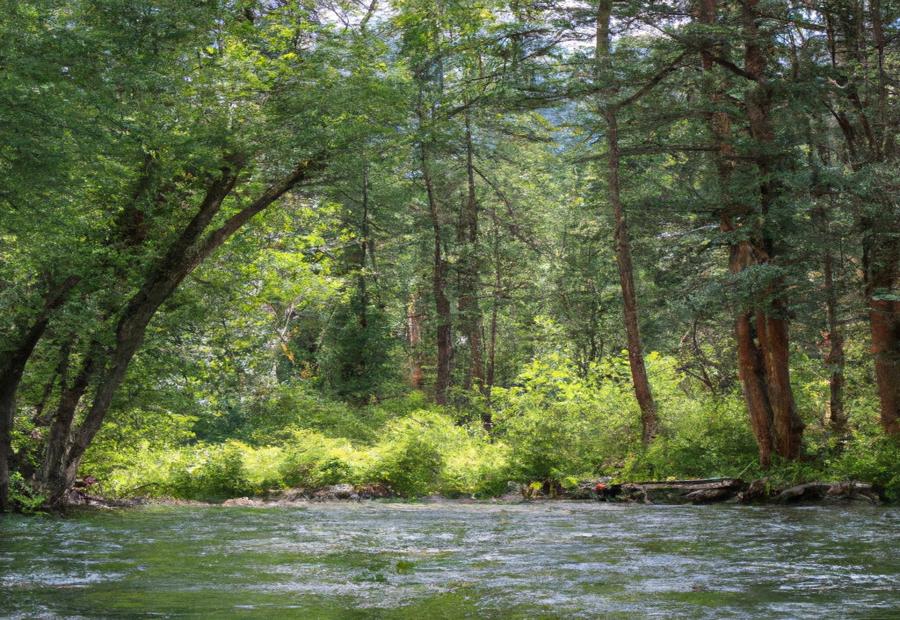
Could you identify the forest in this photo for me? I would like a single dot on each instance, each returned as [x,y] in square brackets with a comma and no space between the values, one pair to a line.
[444,246]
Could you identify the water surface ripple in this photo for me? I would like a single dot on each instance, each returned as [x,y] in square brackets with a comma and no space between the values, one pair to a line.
[451,560]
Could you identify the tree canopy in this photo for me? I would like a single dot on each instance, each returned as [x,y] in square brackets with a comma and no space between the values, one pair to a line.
[588,232]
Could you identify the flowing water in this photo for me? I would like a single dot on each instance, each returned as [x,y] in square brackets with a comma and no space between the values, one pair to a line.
[450,560]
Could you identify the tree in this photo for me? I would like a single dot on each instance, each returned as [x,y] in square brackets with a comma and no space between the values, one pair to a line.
[233,182]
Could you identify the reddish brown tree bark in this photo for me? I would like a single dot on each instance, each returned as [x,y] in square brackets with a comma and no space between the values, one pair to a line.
[761,328]
[881,267]
[773,337]
[870,144]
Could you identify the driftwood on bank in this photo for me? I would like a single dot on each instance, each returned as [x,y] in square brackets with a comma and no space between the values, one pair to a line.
[682,491]
[705,491]
[719,490]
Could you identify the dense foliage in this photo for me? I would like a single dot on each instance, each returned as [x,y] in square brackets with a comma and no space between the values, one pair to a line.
[440,245]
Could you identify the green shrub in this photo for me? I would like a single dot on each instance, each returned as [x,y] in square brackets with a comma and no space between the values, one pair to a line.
[276,416]
[262,467]
[212,472]
[312,460]
[409,457]
[130,435]
[560,424]
[870,456]
[475,467]
[426,452]
[710,438]
[22,496]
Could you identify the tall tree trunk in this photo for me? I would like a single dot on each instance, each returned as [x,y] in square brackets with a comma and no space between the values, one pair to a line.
[495,307]
[751,373]
[649,417]
[439,286]
[12,367]
[787,423]
[881,225]
[774,339]
[414,340]
[882,269]
[642,392]
[834,339]
[751,370]
[469,310]
[883,251]
[363,251]
[761,331]
[835,358]
[439,271]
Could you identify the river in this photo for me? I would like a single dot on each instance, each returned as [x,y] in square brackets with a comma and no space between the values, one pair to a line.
[452,559]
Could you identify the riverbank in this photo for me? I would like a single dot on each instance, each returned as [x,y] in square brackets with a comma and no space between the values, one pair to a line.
[671,492]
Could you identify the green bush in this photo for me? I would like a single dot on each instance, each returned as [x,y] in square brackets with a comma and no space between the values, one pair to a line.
[130,435]
[427,452]
[22,496]
[559,424]
[562,424]
[276,416]
[870,455]
[312,460]
[409,458]
[475,467]
[708,439]
[212,472]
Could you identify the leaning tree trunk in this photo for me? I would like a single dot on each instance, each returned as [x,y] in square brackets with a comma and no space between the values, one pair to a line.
[53,473]
[188,251]
[61,464]
[12,367]
[639,378]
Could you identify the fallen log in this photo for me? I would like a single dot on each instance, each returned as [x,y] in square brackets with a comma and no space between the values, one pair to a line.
[830,492]
[757,491]
[808,491]
[683,491]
